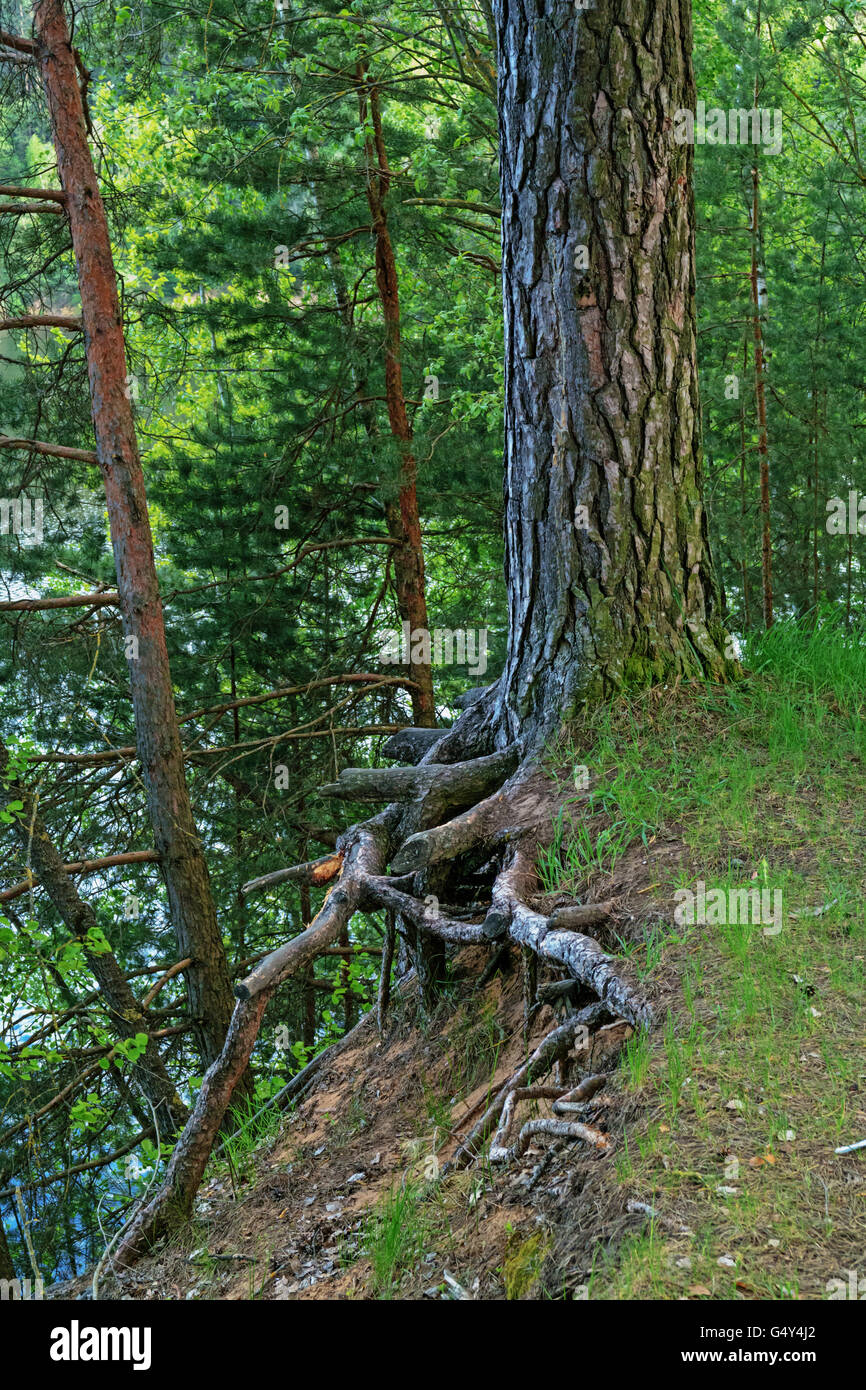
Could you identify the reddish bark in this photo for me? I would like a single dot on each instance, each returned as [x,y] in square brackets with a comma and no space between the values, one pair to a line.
[402,517]
[157,736]
[99,599]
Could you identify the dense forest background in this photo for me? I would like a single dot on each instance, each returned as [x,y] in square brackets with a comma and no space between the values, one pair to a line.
[233,155]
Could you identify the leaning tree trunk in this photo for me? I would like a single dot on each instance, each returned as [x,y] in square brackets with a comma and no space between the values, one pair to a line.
[127,1017]
[157,736]
[609,575]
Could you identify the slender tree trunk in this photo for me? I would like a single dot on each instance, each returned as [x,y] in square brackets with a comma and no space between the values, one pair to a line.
[240,900]
[816,424]
[367,413]
[401,512]
[157,737]
[760,398]
[7,1269]
[126,1015]
[309,988]
[609,575]
[744,529]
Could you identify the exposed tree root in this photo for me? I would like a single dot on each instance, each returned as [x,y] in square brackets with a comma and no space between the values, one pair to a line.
[503,810]
[383,993]
[581,956]
[562,1129]
[503,1151]
[557,1044]
[522,804]
[437,787]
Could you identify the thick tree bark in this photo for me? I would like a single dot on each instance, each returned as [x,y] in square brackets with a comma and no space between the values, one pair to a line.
[609,575]
[158,744]
[401,512]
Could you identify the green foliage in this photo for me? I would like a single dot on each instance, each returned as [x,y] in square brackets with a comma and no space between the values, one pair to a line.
[226,134]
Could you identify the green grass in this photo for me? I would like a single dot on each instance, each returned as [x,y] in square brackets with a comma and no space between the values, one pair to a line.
[253,1128]
[397,1236]
[760,784]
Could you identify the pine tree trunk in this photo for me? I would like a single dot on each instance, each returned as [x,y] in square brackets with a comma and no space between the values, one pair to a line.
[761,400]
[157,736]
[401,511]
[744,511]
[609,574]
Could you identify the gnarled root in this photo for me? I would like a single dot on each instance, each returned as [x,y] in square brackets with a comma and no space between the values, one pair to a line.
[581,956]
[514,814]
[502,1151]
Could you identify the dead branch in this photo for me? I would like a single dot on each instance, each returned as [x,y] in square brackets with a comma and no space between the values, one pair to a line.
[115,755]
[350,678]
[363,858]
[20,45]
[22,209]
[364,850]
[163,980]
[84,1167]
[437,787]
[410,745]
[317,871]
[11,190]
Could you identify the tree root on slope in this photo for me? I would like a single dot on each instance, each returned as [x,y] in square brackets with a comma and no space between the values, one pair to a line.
[432,818]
